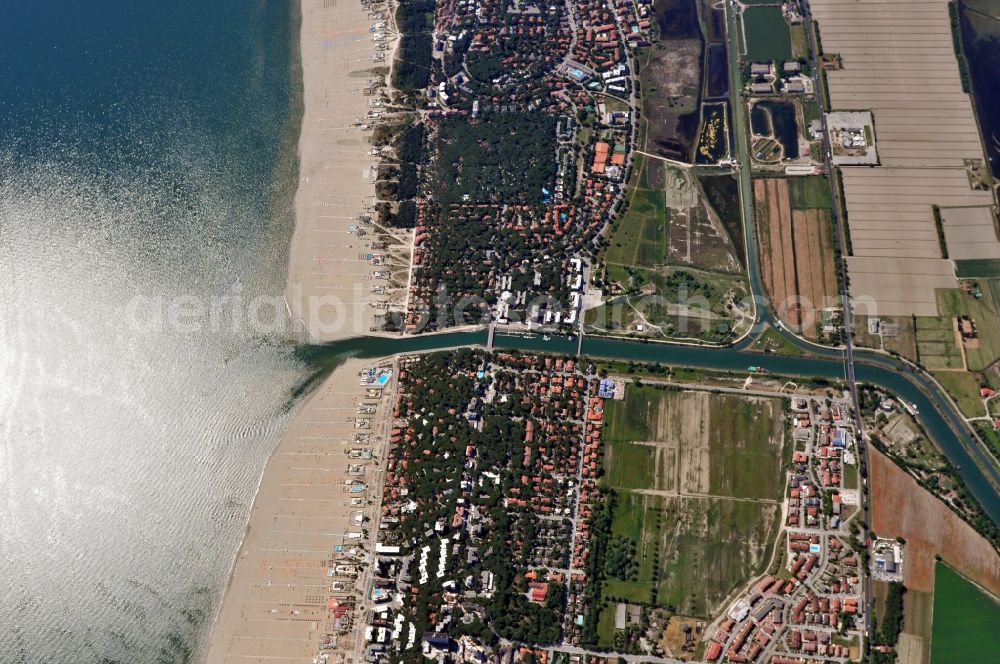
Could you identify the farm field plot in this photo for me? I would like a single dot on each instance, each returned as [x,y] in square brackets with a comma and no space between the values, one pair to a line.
[699,443]
[796,251]
[915,637]
[977,268]
[965,620]
[691,552]
[964,389]
[633,465]
[902,508]
[986,349]
[936,344]
[969,233]
[899,62]
[767,34]
[697,478]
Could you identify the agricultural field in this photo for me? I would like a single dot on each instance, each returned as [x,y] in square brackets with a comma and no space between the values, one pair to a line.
[977,268]
[964,389]
[915,637]
[796,251]
[967,234]
[910,79]
[938,344]
[902,508]
[701,524]
[965,620]
[809,192]
[767,34]
[694,443]
[959,303]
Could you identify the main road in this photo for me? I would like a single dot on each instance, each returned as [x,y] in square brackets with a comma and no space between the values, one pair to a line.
[742,131]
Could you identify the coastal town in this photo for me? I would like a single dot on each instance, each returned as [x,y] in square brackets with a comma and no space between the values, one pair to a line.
[500,332]
[485,521]
[622,170]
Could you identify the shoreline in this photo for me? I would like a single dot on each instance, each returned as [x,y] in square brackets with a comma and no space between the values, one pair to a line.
[333,263]
[302,565]
[303,560]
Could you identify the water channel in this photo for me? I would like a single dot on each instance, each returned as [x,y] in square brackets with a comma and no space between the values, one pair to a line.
[934,413]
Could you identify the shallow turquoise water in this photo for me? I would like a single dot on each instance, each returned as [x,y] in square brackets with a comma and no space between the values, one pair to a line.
[146,156]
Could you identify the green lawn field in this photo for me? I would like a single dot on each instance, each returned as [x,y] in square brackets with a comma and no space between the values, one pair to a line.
[810,191]
[966,619]
[692,548]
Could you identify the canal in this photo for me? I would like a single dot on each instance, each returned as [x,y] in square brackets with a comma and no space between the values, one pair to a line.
[937,417]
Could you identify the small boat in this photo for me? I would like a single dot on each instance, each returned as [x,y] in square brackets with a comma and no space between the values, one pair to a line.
[546,337]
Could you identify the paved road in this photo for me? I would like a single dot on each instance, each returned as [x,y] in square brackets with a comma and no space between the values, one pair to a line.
[631,659]
[848,325]
[764,314]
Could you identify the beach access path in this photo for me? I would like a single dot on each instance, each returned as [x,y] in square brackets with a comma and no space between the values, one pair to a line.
[336,173]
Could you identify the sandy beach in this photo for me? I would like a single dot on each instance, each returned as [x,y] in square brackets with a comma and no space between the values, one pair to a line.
[331,277]
[297,584]
[304,560]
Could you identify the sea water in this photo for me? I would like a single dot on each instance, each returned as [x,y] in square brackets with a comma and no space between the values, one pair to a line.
[147,157]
